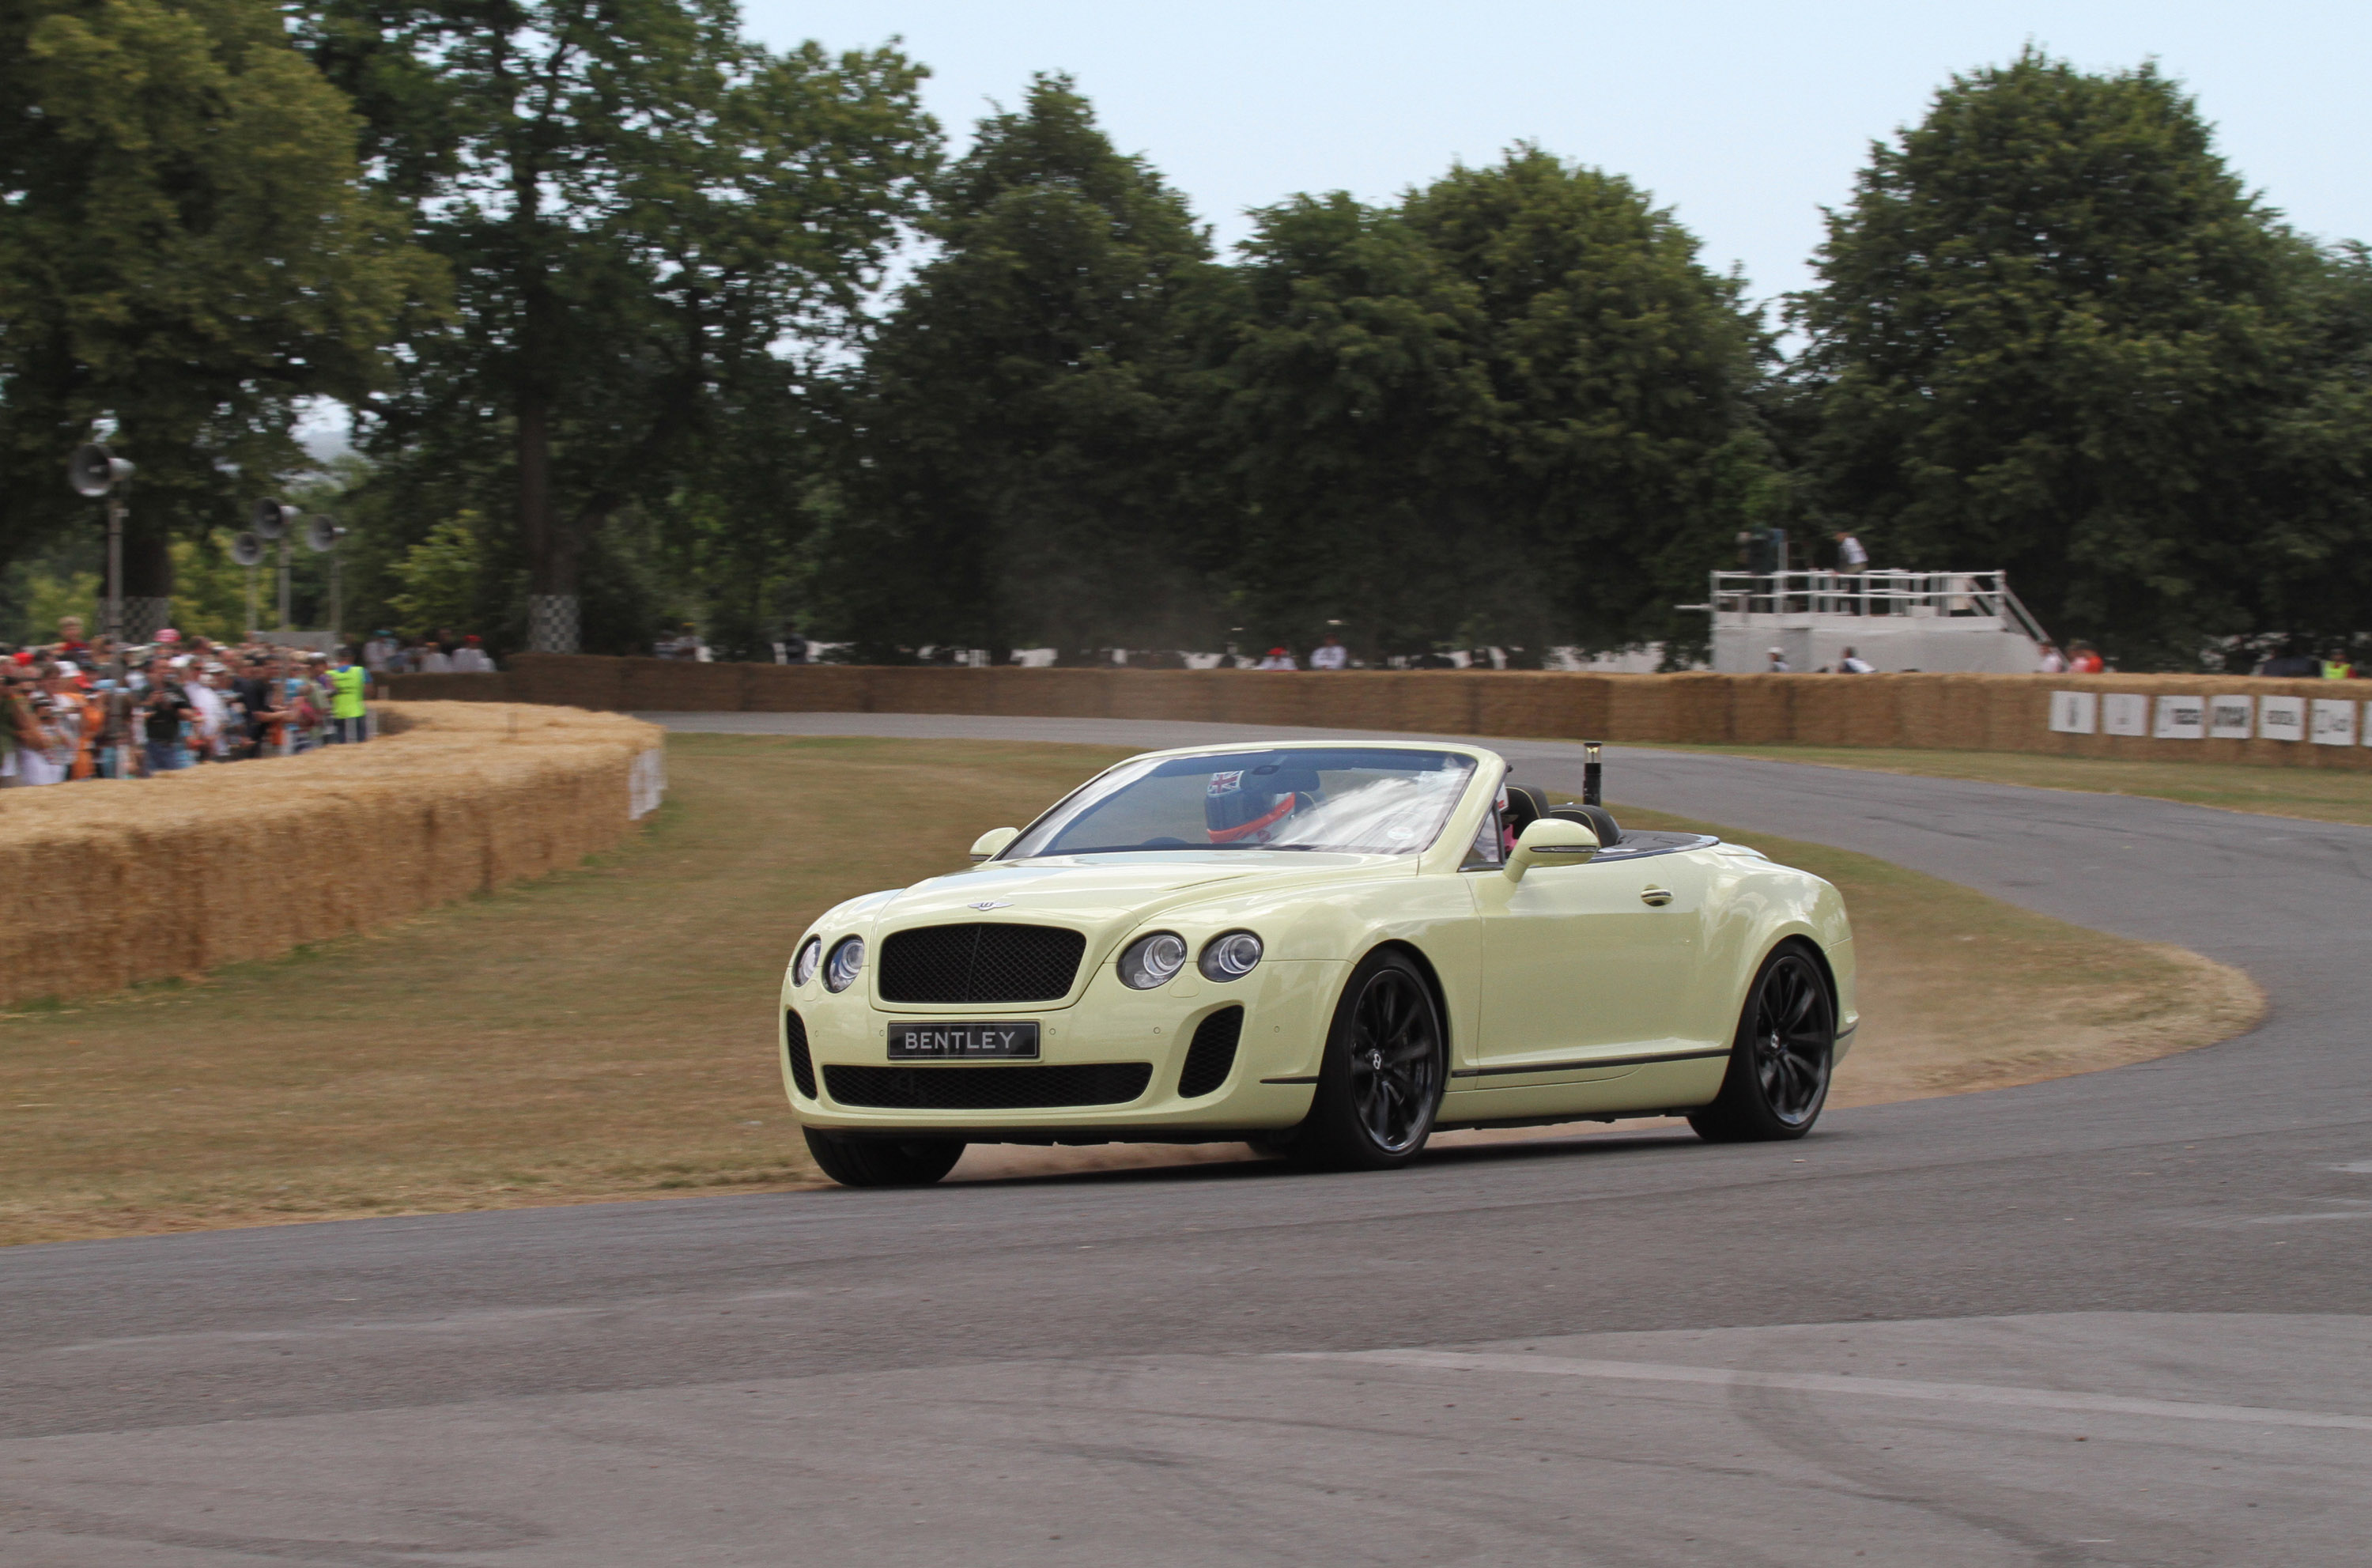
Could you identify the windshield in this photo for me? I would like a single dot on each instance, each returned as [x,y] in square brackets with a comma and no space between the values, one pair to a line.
[1363,800]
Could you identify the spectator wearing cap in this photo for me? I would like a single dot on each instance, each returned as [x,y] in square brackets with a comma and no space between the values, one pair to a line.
[378,651]
[470,658]
[1779,664]
[1279,658]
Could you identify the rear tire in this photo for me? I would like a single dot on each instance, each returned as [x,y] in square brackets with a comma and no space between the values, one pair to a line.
[1779,1061]
[883,1162]
[1380,1083]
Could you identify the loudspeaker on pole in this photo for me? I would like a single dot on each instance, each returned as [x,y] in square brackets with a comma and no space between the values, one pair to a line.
[93,471]
[247,550]
[271,520]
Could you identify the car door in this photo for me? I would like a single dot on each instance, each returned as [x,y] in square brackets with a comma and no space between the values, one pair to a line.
[1586,969]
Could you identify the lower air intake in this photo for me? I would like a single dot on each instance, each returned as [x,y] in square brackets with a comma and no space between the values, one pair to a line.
[1212,1056]
[987,1088]
[795,1041]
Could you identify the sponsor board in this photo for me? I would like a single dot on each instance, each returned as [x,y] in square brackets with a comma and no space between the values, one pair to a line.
[2122,712]
[2281,718]
[2227,718]
[2334,721]
[2075,712]
[2181,718]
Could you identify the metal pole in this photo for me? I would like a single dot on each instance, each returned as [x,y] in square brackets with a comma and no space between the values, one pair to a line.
[114,616]
[337,603]
[1593,772]
[283,582]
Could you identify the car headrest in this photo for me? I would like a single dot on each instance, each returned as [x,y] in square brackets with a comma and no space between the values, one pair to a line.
[1597,818]
[1526,806]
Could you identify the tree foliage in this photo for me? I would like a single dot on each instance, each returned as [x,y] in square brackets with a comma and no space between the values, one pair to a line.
[654,226]
[1015,454]
[2054,334]
[187,244]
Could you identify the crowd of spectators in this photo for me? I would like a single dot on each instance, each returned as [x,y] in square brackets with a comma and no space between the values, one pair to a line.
[443,654]
[65,714]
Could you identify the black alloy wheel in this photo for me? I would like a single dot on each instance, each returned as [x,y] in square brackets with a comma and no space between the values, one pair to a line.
[883,1162]
[1380,1083]
[1778,1076]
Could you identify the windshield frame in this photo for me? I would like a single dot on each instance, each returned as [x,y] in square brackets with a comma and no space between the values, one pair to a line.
[1479,766]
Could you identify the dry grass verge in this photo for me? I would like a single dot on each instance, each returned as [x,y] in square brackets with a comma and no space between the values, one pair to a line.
[2319,794]
[606,1032]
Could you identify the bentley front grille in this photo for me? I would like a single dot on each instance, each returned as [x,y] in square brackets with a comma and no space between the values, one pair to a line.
[981,962]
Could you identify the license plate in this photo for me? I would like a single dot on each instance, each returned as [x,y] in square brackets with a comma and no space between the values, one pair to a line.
[963,1042]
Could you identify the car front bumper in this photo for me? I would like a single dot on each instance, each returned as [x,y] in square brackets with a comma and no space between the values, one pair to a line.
[1287,1009]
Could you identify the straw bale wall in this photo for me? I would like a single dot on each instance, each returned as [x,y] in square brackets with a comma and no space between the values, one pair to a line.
[111,883]
[1985,713]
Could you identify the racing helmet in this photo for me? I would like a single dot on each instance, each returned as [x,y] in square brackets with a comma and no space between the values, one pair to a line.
[1253,805]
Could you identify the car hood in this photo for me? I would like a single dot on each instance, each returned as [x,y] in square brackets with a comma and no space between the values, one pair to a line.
[1089,891]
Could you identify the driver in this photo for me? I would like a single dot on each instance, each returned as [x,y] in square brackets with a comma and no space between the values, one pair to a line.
[1251,807]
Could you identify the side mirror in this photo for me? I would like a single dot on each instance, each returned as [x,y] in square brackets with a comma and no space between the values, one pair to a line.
[1550,841]
[996,839]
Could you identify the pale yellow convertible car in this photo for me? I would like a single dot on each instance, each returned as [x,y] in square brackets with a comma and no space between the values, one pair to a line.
[1328,950]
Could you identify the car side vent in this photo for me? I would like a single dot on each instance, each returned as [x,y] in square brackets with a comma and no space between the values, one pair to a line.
[1212,1056]
[795,1040]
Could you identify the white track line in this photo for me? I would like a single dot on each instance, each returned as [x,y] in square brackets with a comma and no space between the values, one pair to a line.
[1857,1387]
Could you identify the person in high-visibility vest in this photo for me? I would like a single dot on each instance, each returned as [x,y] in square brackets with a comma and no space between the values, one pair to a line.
[347,711]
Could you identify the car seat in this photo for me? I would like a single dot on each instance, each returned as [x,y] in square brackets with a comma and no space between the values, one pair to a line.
[1597,818]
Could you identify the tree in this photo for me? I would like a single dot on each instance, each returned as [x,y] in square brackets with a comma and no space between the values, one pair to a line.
[2052,334]
[186,245]
[652,223]
[1017,436]
[1357,420]
[1622,368]
[2308,571]
[1513,410]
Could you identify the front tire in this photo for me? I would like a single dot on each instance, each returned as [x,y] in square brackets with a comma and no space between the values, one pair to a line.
[1778,1076]
[1380,1083]
[883,1162]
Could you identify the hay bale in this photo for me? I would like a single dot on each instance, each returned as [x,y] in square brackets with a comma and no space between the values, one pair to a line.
[178,874]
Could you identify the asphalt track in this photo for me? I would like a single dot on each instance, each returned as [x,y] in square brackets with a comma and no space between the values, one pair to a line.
[2119,1318]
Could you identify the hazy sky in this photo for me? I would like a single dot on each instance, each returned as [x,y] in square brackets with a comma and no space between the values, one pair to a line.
[1746,119]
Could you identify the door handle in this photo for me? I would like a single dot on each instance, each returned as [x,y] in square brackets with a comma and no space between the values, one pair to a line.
[1654,896]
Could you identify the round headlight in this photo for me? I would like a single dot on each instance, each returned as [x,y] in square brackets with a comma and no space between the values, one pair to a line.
[1153,961]
[1231,955]
[847,963]
[803,967]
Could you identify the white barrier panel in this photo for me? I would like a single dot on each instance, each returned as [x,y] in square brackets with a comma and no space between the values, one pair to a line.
[2227,718]
[2334,721]
[646,784]
[2124,714]
[2281,718]
[2365,733]
[2181,718]
[2075,712]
